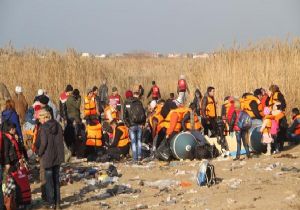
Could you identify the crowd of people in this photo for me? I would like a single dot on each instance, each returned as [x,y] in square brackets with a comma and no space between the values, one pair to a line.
[103,127]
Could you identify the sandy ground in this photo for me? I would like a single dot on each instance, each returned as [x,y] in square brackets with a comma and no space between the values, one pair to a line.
[258,183]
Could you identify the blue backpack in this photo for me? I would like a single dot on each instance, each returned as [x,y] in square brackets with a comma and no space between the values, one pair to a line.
[245,121]
[206,175]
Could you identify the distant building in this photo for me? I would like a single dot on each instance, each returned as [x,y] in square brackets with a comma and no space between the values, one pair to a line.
[85,55]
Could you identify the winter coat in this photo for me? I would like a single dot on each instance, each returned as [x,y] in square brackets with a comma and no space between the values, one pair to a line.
[12,116]
[51,149]
[21,105]
[10,153]
[73,108]
[103,93]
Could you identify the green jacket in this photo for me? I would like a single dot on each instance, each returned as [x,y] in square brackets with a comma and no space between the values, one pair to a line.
[73,108]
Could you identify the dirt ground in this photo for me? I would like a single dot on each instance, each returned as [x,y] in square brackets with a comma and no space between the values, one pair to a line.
[263,182]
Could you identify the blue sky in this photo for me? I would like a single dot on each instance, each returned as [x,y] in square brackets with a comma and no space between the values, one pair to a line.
[164,26]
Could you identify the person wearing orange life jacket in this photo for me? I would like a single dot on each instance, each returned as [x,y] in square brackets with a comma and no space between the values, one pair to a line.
[251,104]
[182,87]
[173,120]
[294,129]
[111,112]
[275,96]
[154,119]
[120,144]
[94,143]
[208,112]
[264,98]
[190,119]
[154,91]
[90,104]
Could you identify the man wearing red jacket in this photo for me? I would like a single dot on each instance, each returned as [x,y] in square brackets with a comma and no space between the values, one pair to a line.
[154,91]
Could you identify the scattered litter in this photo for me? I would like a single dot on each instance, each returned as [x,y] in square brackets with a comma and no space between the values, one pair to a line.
[185,184]
[290,169]
[171,200]
[272,166]
[291,197]
[233,183]
[140,206]
[179,172]
[287,156]
[230,201]
[191,191]
[160,184]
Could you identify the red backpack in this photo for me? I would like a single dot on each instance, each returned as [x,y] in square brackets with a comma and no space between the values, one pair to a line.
[155,91]
[182,85]
[21,177]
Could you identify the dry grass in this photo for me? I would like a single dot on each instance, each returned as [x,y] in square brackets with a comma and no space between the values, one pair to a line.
[231,72]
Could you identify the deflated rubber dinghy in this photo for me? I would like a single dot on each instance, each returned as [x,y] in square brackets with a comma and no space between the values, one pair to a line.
[183,146]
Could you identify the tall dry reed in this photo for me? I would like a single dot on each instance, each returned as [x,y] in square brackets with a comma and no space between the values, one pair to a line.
[232,71]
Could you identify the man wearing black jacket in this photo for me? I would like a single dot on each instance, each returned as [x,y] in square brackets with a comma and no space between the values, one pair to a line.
[251,104]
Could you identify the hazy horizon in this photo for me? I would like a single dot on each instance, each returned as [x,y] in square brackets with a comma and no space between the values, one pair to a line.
[166,26]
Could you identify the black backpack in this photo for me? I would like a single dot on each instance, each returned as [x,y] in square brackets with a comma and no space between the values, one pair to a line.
[137,113]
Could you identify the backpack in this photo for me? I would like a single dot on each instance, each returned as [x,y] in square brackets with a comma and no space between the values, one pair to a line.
[182,85]
[206,175]
[206,152]
[163,152]
[137,113]
[244,121]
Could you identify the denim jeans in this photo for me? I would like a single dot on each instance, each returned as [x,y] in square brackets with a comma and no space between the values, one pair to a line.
[52,185]
[241,136]
[135,133]
[1,192]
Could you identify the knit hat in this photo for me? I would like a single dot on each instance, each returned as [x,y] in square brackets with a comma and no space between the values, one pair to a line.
[18,89]
[181,76]
[40,92]
[128,94]
[114,89]
[69,88]
[43,99]
[153,104]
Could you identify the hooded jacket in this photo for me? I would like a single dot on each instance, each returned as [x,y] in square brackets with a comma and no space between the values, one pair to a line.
[51,148]
[73,108]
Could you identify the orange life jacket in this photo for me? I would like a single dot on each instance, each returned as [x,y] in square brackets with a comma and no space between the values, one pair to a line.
[114,113]
[156,115]
[197,124]
[94,135]
[180,111]
[90,107]
[210,109]
[245,105]
[124,140]
[297,130]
